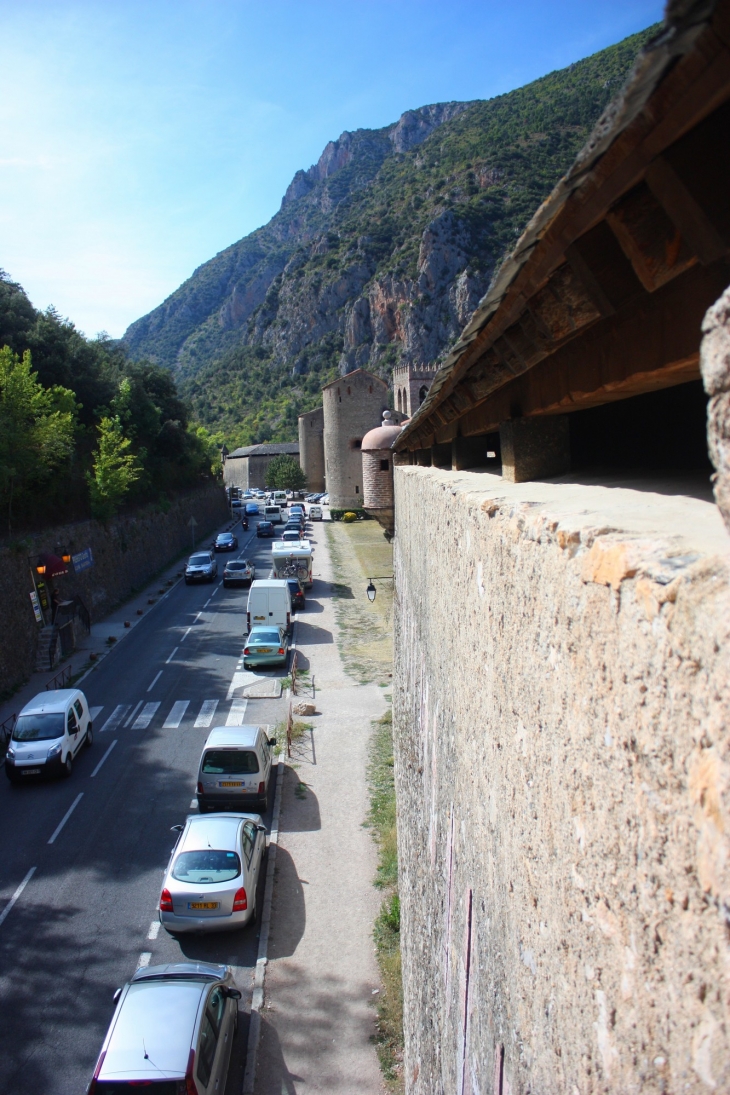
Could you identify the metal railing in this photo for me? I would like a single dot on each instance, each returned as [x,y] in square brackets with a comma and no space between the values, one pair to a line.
[62,678]
[6,729]
[294,674]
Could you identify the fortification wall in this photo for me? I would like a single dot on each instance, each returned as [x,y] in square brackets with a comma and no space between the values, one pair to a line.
[352,405]
[562,734]
[311,447]
[127,552]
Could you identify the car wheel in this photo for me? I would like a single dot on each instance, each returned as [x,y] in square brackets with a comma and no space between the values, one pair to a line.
[89,739]
[12,778]
[187,581]
[68,766]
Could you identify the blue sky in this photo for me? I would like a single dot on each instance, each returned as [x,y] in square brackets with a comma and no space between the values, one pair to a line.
[137,139]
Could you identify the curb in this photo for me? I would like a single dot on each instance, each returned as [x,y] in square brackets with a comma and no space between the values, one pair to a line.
[257,1000]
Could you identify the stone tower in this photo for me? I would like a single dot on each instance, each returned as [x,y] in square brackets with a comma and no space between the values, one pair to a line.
[377,471]
[353,405]
[311,447]
[410,387]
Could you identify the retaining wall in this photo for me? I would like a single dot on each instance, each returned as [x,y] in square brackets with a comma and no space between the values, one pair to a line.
[562,759]
[127,552]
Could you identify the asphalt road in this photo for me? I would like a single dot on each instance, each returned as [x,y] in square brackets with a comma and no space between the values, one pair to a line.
[87,916]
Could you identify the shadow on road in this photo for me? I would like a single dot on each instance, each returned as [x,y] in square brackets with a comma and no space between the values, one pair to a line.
[289,915]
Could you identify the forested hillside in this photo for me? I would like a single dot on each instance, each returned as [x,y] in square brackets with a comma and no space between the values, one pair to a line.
[379,253]
[83,429]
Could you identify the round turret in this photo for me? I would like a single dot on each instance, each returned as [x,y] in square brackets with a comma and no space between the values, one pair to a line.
[377,470]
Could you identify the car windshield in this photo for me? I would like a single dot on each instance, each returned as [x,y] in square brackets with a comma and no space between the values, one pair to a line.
[198,560]
[294,586]
[236,566]
[131,1087]
[228,762]
[38,727]
[263,637]
[206,867]
[225,538]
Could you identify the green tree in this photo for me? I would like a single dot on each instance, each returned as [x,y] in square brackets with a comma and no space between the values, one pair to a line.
[115,469]
[36,428]
[284,473]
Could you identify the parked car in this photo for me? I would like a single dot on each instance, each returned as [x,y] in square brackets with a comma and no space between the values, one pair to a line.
[48,734]
[325,499]
[211,879]
[252,509]
[202,567]
[226,541]
[266,645]
[239,572]
[298,600]
[265,528]
[291,534]
[315,513]
[235,769]
[297,511]
[173,1030]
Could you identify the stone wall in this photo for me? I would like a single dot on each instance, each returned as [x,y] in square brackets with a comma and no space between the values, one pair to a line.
[353,406]
[127,552]
[715,364]
[311,447]
[562,757]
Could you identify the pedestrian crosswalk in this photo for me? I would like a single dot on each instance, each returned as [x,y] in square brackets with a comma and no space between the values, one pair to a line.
[182,713]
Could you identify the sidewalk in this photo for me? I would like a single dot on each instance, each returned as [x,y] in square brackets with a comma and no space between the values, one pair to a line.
[95,646]
[318,1021]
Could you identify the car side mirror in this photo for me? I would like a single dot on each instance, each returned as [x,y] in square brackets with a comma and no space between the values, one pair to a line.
[272,742]
[117,994]
[261,828]
[176,828]
[233,994]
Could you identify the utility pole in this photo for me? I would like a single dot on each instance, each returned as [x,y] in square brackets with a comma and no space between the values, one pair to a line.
[193,525]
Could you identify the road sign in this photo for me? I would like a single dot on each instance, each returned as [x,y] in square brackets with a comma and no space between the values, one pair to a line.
[82,560]
[192,524]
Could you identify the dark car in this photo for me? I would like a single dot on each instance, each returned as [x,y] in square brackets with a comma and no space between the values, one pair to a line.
[265,528]
[226,541]
[298,599]
[252,509]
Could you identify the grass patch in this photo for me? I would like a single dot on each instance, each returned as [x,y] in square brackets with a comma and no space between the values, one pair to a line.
[386,931]
[359,550]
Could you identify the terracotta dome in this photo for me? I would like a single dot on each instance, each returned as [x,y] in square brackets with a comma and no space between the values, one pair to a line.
[382,437]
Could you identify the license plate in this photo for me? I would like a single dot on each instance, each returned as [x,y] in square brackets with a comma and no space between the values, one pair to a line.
[31,771]
[202,904]
[231,783]
[263,650]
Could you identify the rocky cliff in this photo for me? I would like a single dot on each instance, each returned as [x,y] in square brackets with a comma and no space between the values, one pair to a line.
[379,253]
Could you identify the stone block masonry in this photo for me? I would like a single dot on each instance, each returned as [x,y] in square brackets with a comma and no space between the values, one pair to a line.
[127,552]
[562,734]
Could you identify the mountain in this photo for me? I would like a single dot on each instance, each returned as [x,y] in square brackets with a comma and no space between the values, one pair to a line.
[380,251]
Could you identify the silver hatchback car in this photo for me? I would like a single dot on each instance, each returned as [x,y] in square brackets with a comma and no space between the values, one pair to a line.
[173,1029]
[211,882]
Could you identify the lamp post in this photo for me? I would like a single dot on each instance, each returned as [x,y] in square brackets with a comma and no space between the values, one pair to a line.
[371,590]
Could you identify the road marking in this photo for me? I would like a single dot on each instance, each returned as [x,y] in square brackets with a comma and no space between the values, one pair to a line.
[145,716]
[135,709]
[66,816]
[198,616]
[116,717]
[186,635]
[94,712]
[144,960]
[216,589]
[154,929]
[155,681]
[235,715]
[177,714]
[240,680]
[193,804]
[172,655]
[17,894]
[103,758]
[206,603]
[207,711]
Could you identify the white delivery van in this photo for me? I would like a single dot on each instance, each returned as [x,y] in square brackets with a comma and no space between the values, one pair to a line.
[273,514]
[278,498]
[269,602]
[48,734]
[315,513]
[293,559]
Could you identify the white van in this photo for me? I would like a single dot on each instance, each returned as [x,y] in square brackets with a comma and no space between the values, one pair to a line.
[315,513]
[278,498]
[269,602]
[235,769]
[48,734]
[273,514]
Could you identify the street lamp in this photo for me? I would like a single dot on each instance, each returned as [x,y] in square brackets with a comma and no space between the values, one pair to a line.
[371,590]
[40,568]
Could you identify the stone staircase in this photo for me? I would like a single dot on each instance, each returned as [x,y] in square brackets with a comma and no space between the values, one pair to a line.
[44,659]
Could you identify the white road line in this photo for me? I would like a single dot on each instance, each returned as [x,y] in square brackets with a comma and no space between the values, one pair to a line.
[103,758]
[66,816]
[135,709]
[94,712]
[235,715]
[193,804]
[116,717]
[198,616]
[207,711]
[144,960]
[206,603]
[154,929]
[145,716]
[186,635]
[177,714]
[172,655]
[17,894]
[155,681]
